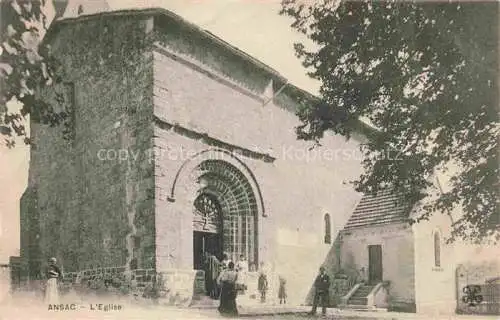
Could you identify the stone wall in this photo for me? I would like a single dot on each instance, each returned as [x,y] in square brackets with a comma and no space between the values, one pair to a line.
[440,298]
[200,110]
[462,263]
[167,287]
[114,280]
[30,232]
[96,209]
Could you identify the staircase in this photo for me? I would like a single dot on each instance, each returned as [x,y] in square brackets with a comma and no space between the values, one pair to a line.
[359,298]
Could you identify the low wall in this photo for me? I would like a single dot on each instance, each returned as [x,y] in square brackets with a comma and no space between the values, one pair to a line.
[166,287]
[113,281]
[180,287]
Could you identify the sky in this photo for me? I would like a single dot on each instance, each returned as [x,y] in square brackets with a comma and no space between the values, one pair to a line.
[253,26]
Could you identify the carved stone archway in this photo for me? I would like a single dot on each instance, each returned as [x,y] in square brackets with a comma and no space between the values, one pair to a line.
[225,199]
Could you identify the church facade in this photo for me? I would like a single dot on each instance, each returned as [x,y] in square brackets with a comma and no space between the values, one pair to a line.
[178,144]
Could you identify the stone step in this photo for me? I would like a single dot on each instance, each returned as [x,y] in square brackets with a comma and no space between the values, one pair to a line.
[361,301]
[360,295]
[358,307]
[362,291]
[365,288]
[364,308]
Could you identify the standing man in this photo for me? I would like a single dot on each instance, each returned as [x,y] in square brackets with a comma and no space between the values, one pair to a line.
[212,270]
[322,287]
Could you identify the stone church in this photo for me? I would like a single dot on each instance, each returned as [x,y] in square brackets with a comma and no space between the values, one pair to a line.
[178,144]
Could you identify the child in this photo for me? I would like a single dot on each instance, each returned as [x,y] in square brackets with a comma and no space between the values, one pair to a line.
[282,291]
[263,287]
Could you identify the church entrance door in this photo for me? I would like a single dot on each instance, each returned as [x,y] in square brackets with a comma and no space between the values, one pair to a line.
[204,243]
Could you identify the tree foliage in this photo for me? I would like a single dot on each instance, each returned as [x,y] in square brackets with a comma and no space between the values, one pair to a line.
[26,66]
[425,76]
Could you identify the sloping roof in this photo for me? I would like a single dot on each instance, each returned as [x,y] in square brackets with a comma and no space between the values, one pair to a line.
[386,207]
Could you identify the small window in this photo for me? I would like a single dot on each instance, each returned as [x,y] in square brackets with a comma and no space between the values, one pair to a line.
[437,250]
[328,229]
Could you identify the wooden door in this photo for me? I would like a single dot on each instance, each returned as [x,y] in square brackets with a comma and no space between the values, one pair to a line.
[375,270]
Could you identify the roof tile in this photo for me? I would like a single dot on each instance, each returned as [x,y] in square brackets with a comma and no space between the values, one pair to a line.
[386,207]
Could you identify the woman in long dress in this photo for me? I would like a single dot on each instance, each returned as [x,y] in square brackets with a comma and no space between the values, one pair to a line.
[53,275]
[227,282]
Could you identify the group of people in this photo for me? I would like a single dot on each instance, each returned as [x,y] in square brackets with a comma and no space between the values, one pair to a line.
[224,280]
[228,281]
[263,287]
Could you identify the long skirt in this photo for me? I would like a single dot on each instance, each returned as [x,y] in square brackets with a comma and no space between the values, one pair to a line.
[51,291]
[241,282]
[228,294]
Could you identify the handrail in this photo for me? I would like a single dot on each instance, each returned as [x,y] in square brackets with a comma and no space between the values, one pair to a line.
[370,298]
[345,299]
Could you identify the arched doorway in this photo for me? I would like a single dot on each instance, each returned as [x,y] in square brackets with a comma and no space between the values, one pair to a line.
[225,213]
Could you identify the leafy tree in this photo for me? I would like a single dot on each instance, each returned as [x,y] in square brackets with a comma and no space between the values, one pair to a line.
[425,76]
[26,66]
